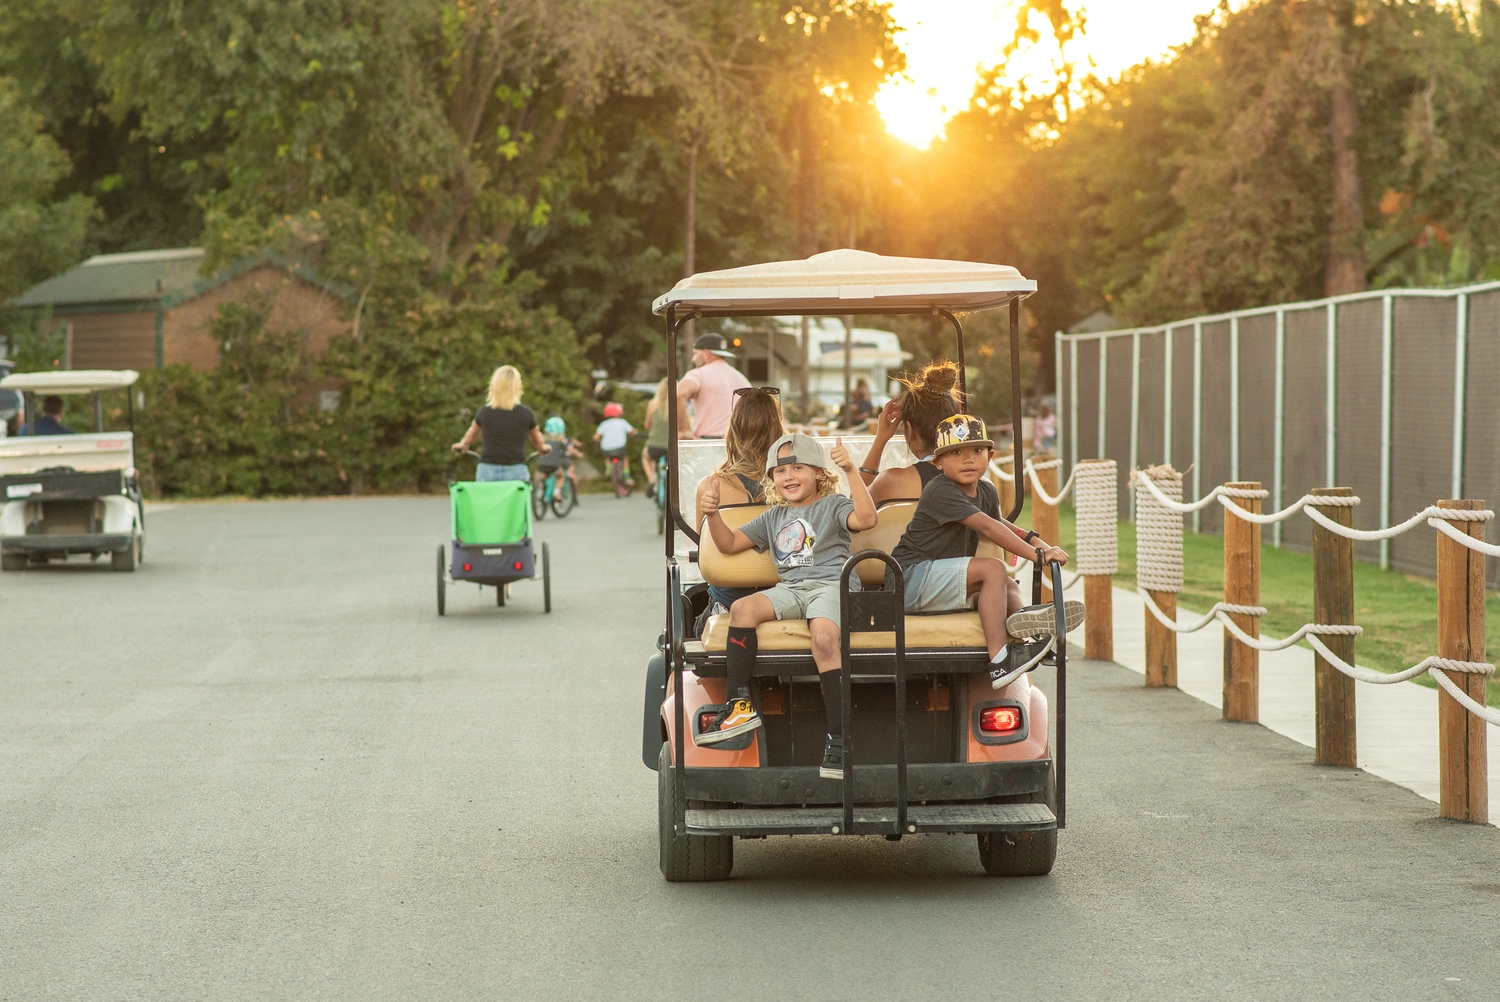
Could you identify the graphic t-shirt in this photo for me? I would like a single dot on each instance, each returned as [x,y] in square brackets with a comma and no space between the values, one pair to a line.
[937,531]
[807,542]
[613,433]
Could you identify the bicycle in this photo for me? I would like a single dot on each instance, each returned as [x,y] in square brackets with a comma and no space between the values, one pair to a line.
[619,476]
[661,496]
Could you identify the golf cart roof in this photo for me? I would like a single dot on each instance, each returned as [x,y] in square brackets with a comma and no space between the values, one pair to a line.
[845,282]
[70,380]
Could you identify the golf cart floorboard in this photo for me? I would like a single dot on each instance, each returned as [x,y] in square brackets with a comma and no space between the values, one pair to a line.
[933,818]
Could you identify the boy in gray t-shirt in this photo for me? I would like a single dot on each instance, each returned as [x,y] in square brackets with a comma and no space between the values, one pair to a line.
[807,529]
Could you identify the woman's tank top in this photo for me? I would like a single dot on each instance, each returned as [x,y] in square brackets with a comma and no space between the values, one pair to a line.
[754,488]
[926,470]
[656,438]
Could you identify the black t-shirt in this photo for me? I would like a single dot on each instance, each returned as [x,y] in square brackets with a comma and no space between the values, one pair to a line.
[936,531]
[504,434]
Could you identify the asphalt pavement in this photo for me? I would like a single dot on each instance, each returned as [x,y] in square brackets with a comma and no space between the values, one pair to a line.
[263,768]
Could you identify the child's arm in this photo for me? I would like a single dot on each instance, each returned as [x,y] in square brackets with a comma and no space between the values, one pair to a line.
[864,516]
[597,436]
[726,539]
[574,451]
[1001,534]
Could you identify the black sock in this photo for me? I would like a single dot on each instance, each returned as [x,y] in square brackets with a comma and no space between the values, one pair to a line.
[741,653]
[833,700]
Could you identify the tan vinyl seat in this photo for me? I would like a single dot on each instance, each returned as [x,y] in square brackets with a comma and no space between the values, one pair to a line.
[756,570]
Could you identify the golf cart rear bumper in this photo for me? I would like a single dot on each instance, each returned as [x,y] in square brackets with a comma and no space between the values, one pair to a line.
[928,819]
[942,782]
[88,542]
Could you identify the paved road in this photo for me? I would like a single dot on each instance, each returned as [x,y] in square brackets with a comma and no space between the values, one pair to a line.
[262,768]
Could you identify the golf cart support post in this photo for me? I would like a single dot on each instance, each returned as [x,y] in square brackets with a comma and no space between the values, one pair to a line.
[877,611]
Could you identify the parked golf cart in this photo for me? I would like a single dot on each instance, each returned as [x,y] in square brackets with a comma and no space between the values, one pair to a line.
[930,747]
[70,494]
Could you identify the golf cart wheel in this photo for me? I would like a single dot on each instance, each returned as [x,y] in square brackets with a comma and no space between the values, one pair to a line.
[546,577]
[442,583]
[686,857]
[1022,854]
[126,559]
[12,561]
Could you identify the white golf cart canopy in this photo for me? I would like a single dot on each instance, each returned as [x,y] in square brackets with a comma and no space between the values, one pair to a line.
[61,381]
[847,281]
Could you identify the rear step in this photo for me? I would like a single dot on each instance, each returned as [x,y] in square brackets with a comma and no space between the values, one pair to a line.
[930,819]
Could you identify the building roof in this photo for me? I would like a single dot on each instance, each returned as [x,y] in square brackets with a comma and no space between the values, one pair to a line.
[1094,323]
[144,280]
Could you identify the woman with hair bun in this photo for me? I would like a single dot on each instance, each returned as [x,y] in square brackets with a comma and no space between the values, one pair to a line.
[930,396]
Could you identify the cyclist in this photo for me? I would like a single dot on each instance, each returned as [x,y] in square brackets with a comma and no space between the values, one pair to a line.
[656,433]
[612,434]
[561,452]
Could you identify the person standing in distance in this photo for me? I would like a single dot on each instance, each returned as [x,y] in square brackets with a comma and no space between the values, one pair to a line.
[710,387]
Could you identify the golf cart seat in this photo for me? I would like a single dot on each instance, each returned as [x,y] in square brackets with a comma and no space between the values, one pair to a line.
[941,631]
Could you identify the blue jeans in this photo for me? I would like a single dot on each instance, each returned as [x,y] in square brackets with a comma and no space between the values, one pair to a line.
[488,472]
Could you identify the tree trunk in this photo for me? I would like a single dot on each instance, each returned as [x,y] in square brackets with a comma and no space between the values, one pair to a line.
[690,232]
[807,219]
[1345,271]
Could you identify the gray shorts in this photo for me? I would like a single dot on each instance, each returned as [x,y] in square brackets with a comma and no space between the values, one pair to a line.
[807,599]
[938,585]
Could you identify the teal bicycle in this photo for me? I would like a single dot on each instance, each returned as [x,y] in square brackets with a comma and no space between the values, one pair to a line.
[555,490]
[661,496]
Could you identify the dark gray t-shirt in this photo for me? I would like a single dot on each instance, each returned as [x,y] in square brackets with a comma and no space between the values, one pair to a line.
[808,543]
[936,531]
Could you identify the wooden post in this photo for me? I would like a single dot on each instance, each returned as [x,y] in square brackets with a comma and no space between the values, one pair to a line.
[1005,488]
[1463,780]
[1333,602]
[1161,643]
[1242,587]
[1098,628]
[1044,516]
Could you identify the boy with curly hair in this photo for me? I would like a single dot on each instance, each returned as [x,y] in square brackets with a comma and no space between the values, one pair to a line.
[807,528]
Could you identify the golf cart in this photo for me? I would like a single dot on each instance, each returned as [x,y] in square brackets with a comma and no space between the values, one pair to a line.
[930,747]
[65,494]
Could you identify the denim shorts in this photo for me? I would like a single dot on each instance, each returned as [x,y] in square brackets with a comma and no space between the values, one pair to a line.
[938,585]
[489,472]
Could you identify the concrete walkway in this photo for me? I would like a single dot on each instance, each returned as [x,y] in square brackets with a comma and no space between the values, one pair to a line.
[1397,736]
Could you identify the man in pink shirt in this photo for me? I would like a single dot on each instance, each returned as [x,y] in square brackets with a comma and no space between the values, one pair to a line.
[710,387]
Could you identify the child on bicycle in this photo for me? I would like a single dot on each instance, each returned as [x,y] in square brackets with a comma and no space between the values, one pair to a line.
[611,435]
[936,553]
[563,450]
[807,528]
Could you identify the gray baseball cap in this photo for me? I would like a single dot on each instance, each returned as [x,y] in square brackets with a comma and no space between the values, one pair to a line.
[805,450]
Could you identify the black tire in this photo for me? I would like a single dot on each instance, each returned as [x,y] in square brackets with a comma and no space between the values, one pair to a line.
[538,502]
[1023,854]
[656,691]
[686,857]
[13,562]
[564,499]
[546,577]
[442,583]
[500,596]
[128,558]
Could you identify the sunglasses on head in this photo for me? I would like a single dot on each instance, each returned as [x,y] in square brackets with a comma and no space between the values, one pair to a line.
[775,391]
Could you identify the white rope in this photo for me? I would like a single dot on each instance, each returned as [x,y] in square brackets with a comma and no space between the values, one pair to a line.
[1304,501]
[1430,512]
[1198,624]
[1036,483]
[1158,529]
[997,471]
[1185,508]
[1096,488]
[1483,712]
[1434,666]
[1477,545]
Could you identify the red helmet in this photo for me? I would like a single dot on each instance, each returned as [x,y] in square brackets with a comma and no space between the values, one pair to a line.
[613,410]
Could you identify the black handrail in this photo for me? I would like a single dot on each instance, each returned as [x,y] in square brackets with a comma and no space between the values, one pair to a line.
[675,630]
[1015,411]
[881,612]
[1061,632]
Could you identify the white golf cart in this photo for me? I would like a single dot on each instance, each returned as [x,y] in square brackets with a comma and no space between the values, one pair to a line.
[65,494]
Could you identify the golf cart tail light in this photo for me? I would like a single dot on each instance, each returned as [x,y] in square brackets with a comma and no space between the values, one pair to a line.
[517,565]
[704,719]
[1000,719]
[468,567]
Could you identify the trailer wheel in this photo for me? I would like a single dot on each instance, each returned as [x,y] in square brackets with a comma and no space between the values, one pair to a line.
[1022,854]
[500,596]
[442,583]
[686,857]
[546,577]
[126,559]
[12,561]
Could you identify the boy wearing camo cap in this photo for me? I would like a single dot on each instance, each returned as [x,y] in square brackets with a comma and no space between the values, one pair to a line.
[807,528]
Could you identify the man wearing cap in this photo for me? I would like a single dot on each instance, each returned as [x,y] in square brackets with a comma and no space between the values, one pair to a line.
[710,387]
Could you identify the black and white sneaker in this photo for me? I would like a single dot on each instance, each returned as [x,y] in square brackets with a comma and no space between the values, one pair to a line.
[1041,620]
[1020,658]
[833,758]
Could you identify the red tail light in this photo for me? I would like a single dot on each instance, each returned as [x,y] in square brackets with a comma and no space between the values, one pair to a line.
[518,565]
[468,567]
[1000,719]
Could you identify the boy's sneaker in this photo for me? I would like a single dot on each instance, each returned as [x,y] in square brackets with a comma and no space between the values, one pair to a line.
[737,718]
[1041,620]
[833,758]
[1023,656]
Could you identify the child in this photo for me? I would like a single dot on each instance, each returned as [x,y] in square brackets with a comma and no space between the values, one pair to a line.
[562,452]
[612,434]
[807,528]
[936,553]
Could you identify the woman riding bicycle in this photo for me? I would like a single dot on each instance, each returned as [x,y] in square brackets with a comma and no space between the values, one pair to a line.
[658,433]
[506,425]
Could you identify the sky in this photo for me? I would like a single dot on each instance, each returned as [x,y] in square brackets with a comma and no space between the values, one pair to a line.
[947,40]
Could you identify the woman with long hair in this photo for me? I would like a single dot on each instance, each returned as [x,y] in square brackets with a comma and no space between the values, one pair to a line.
[930,396]
[754,426]
[656,433]
[506,425]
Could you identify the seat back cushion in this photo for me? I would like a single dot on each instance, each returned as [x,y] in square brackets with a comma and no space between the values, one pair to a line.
[736,570]
[894,516]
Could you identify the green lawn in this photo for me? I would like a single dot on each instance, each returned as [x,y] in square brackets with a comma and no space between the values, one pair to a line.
[1398,611]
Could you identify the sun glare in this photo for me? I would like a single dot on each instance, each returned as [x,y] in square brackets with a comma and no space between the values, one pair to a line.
[947,42]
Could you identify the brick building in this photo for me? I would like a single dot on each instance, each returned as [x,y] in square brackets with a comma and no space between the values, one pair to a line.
[147,309]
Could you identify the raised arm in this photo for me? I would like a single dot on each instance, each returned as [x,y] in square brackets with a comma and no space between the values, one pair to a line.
[726,539]
[863,516]
[1001,534]
[885,430]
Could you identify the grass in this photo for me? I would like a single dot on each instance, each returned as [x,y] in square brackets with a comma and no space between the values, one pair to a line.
[1397,611]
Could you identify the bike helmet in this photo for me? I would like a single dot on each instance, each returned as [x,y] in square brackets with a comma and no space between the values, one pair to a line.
[613,410]
[555,426]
